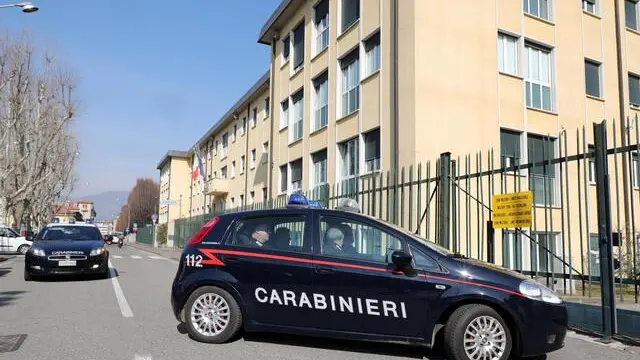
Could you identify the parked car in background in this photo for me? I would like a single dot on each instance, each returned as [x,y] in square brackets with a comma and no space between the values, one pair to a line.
[12,242]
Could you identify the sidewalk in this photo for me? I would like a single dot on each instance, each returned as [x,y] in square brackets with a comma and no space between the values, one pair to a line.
[171,253]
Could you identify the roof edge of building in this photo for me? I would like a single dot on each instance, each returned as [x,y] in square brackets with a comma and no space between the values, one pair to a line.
[172,154]
[264,79]
[263,37]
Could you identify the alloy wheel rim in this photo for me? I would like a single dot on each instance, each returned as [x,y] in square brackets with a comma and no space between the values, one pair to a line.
[210,314]
[485,339]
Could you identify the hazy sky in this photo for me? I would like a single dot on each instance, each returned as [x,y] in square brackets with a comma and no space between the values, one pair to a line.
[154,75]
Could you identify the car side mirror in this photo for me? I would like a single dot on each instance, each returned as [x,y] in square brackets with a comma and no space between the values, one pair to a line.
[401,259]
[29,237]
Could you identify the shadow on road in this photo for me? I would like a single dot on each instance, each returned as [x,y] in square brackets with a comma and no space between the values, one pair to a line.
[9,297]
[394,350]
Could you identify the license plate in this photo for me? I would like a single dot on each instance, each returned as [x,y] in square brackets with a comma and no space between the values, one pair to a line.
[67,263]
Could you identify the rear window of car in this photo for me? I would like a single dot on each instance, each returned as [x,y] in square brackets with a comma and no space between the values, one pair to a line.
[73,233]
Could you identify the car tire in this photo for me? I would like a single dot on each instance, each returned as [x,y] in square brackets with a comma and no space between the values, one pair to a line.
[22,249]
[223,306]
[484,322]
[27,275]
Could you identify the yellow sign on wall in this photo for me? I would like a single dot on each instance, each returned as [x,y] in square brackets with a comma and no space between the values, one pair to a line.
[512,210]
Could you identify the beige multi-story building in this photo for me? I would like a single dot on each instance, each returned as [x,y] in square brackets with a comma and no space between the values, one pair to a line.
[87,209]
[369,86]
[175,169]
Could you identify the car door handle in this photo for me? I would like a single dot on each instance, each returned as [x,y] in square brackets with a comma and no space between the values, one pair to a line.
[325,270]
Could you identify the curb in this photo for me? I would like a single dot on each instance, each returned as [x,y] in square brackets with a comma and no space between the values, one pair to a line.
[154,251]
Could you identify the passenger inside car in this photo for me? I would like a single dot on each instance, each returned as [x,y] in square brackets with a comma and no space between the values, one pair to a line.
[333,241]
[281,239]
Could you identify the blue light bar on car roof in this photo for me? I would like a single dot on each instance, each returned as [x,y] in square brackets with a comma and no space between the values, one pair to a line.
[315,204]
[298,200]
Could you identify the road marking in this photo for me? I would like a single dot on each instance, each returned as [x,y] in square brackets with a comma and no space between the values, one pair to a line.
[117,256]
[156,257]
[122,301]
[136,257]
[143,357]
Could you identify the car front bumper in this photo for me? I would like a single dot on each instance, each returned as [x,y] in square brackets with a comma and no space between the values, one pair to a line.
[545,330]
[42,266]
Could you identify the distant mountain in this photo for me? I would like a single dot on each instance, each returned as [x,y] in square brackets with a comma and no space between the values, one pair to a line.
[107,203]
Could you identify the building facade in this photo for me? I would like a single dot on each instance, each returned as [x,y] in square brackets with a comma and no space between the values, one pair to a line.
[175,169]
[87,209]
[360,87]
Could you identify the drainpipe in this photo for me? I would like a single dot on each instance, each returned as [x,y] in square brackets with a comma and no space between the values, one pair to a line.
[246,153]
[623,125]
[271,112]
[395,157]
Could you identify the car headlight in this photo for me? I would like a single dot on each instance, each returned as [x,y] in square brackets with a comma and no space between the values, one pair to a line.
[97,251]
[538,292]
[37,252]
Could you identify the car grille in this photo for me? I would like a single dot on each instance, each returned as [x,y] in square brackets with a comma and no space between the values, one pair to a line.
[67,257]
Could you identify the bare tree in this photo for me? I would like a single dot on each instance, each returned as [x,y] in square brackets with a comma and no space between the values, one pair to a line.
[144,200]
[37,148]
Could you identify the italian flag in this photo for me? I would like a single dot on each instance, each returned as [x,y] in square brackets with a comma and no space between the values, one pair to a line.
[196,168]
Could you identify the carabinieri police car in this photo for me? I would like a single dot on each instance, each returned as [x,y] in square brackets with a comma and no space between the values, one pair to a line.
[67,249]
[339,273]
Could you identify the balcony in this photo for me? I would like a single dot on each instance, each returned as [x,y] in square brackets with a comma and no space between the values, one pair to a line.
[218,187]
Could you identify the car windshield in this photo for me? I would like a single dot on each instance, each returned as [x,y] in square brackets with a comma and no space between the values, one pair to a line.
[433,246]
[72,233]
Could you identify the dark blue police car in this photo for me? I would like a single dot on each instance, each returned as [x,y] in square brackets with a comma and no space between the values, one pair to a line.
[67,249]
[339,273]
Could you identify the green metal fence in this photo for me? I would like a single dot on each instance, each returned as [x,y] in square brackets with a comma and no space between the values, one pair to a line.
[145,235]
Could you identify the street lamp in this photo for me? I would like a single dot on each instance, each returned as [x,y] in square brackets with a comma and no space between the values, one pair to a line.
[27,7]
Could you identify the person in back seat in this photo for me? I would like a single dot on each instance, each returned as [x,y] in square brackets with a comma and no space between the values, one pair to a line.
[281,239]
[349,241]
[333,241]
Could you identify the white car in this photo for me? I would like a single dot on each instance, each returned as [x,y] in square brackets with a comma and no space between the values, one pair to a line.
[12,242]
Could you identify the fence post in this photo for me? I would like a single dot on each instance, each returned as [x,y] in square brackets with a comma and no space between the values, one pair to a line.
[444,199]
[604,231]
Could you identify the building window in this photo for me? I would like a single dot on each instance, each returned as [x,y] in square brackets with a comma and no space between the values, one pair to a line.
[319,169]
[321,25]
[592,165]
[632,14]
[298,46]
[295,132]
[296,175]
[252,197]
[539,8]
[253,158]
[265,194]
[350,83]
[634,90]
[235,132]
[541,150]
[538,77]
[320,102]
[284,114]
[372,150]
[244,125]
[225,144]
[372,54]
[350,13]
[242,164]
[215,148]
[589,6]
[233,169]
[508,54]
[265,152]
[512,250]
[286,44]
[241,204]
[254,117]
[509,148]
[267,107]
[223,172]
[592,78]
[348,152]
[283,178]
[542,253]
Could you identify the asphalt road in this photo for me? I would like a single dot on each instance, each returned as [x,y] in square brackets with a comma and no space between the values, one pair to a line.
[129,317]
